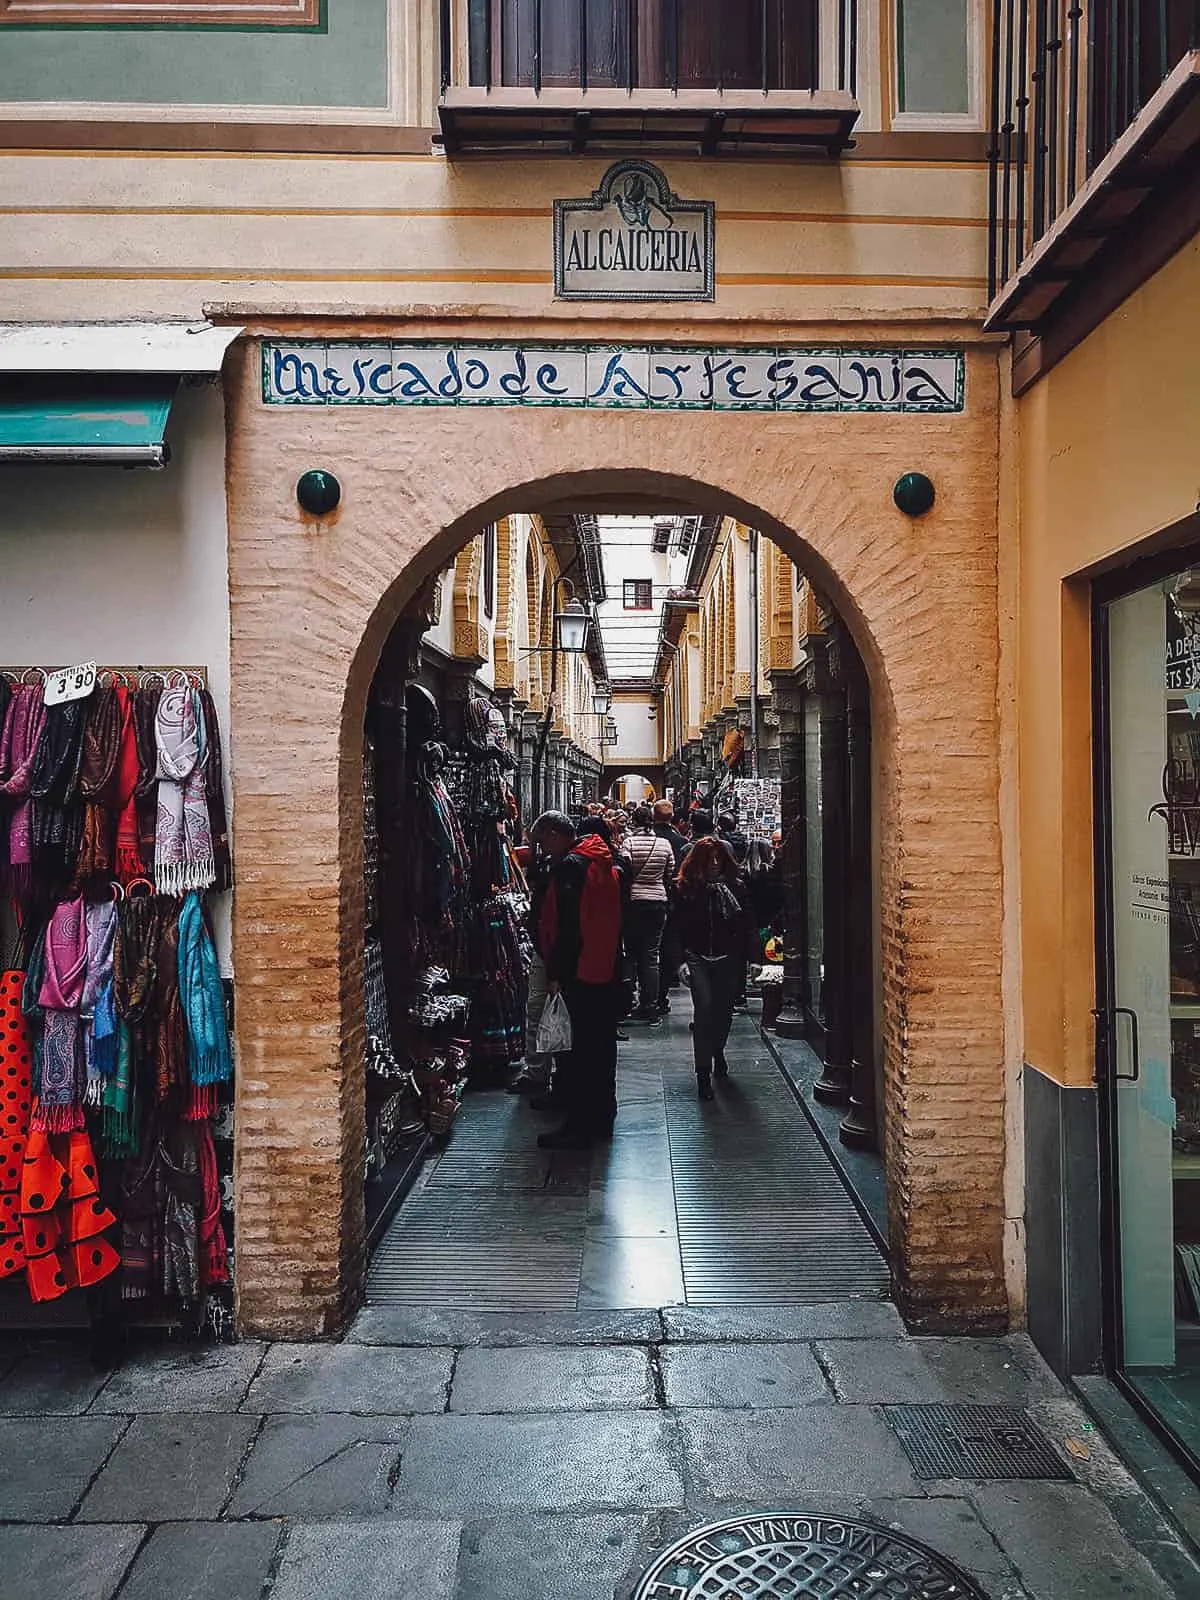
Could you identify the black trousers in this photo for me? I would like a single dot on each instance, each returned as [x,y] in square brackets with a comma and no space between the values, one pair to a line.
[714,986]
[644,924]
[587,1077]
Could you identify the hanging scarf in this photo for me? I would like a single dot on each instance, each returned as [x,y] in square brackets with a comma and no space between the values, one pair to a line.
[18,749]
[171,1039]
[60,1108]
[135,953]
[55,781]
[183,847]
[214,790]
[101,744]
[96,1007]
[120,1115]
[214,1255]
[145,712]
[203,999]
[120,795]
[31,1007]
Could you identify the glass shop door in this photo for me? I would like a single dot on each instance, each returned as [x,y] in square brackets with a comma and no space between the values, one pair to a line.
[1148,1017]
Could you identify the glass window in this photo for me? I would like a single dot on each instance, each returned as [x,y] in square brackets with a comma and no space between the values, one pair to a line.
[637,594]
[933,55]
[653,44]
[1150,1040]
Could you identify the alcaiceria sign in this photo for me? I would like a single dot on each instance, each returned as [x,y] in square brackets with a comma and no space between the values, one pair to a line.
[634,240]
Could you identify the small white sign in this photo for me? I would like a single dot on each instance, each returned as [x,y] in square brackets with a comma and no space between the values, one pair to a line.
[70,683]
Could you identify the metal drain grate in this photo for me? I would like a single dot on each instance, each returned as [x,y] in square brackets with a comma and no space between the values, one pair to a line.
[763,1218]
[786,1555]
[974,1442]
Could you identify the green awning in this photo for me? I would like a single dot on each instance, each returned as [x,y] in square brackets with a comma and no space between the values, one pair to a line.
[119,420]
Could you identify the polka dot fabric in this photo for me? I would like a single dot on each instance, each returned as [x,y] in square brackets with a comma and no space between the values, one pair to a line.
[16,1090]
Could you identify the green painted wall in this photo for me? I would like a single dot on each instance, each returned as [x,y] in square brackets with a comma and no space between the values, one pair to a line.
[343,66]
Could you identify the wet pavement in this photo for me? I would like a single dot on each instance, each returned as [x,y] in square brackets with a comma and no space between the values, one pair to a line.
[449,1452]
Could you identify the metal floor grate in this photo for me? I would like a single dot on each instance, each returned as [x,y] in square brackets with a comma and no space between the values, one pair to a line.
[761,1216]
[974,1442]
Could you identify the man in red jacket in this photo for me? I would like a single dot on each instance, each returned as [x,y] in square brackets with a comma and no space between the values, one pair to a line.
[579,935]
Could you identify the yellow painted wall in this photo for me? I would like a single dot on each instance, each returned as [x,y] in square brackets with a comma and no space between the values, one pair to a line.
[1109,454]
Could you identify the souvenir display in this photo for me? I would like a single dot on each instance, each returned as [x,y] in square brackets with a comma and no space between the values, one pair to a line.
[115,1043]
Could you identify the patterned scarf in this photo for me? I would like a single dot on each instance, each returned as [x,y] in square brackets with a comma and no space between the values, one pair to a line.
[135,953]
[55,781]
[203,998]
[183,846]
[18,749]
[60,1108]
[122,791]
[171,1041]
[120,1116]
[96,1007]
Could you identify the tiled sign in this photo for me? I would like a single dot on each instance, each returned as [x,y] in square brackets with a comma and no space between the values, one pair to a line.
[634,240]
[637,377]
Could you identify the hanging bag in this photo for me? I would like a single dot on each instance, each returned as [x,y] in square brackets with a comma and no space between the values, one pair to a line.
[554,1030]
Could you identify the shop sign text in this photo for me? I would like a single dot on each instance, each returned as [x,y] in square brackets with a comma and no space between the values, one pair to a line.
[632,239]
[638,377]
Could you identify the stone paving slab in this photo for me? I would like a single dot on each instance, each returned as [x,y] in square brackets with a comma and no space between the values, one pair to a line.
[75,1563]
[472,1465]
[742,1376]
[316,1467]
[1066,1545]
[777,1457]
[47,1463]
[397,1325]
[51,1380]
[953,1527]
[170,1469]
[364,1379]
[369,1561]
[935,1371]
[552,1379]
[842,1319]
[205,1378]
[204,1561]
[550,1558]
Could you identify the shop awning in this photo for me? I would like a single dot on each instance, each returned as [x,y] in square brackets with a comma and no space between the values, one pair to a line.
[121,421]
[98,391]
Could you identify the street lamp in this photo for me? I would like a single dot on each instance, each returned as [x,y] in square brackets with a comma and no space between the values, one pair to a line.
[601,699]
[572,627]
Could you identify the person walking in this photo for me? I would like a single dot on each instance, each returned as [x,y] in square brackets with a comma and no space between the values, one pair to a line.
[664,827]
[714,916]
[651,868]
[579,935]
[550,838]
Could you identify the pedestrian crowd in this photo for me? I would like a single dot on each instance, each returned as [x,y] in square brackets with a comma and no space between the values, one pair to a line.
[626,903]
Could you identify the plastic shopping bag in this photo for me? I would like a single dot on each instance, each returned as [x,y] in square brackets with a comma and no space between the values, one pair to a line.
[554,1030]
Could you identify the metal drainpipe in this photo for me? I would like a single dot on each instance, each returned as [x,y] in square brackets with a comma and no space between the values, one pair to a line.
[754,652]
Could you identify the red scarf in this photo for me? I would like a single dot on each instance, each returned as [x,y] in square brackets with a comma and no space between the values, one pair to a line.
[121,796]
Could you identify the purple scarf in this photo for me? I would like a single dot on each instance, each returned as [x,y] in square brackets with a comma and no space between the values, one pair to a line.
[18,746]
[183,845]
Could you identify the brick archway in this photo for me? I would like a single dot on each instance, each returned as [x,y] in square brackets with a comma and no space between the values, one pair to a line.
[312,604]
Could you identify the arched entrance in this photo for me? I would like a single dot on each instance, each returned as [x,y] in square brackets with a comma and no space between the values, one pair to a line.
[630,782]
[313,602]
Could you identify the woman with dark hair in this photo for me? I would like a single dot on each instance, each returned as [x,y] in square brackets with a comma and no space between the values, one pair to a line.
[713,915]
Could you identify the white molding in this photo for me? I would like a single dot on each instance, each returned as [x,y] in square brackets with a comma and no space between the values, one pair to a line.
[403,89]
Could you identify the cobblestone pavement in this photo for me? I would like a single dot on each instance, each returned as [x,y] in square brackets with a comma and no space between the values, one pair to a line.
[450,1454]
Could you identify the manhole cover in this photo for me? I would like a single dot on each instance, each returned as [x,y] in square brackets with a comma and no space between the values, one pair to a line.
[786,1555]
[974,1442]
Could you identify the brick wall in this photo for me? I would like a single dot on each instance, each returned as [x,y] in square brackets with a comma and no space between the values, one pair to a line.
[311,606]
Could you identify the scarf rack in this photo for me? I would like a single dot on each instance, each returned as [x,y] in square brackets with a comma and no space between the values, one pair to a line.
[131,677]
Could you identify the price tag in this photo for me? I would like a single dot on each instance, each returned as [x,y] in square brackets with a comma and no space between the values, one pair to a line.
[70,683]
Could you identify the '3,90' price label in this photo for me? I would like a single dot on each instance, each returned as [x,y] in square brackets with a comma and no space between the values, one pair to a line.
[70,683]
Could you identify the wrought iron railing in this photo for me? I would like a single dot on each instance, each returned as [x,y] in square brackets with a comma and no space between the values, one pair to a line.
[1068,78]
[672,45]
